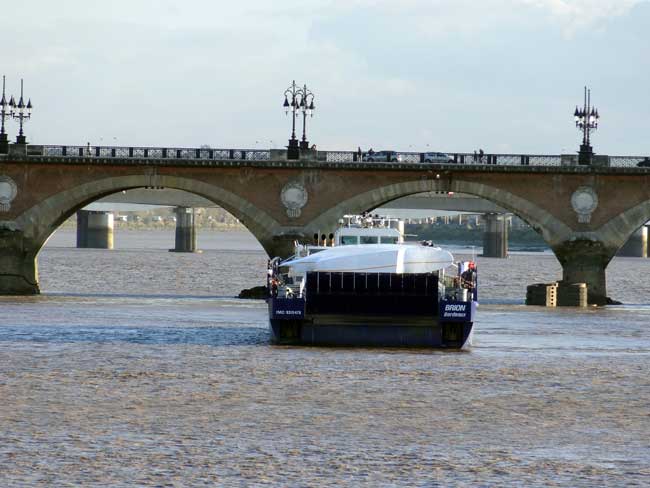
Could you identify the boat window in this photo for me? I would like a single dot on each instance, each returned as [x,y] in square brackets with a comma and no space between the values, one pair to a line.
[388,239]
[345,240]
[369,240]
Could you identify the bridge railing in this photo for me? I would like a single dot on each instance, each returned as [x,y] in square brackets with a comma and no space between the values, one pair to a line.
[107,152]
[156,153]
[628,161]
[457,158]
[507,159]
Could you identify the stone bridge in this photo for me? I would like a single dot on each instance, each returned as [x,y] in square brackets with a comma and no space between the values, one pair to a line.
[584,213]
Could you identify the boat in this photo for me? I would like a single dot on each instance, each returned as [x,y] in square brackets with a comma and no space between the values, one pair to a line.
[364,286]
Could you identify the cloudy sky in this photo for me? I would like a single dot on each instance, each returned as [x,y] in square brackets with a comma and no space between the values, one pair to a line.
[449,75]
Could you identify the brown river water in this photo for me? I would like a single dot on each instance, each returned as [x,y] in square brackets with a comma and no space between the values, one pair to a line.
[137,367]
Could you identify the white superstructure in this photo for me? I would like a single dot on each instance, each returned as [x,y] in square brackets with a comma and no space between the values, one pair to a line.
[377,258]
[366,244]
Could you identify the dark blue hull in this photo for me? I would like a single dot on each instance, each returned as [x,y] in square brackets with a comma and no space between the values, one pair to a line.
[373,331]
[371,309]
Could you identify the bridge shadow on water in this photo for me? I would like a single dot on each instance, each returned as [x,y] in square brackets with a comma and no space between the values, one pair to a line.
[134,318]
[218,336]
[162,296]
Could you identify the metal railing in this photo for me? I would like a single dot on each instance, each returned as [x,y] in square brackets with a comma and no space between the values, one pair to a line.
[495,159]
[209,154]
[156,153]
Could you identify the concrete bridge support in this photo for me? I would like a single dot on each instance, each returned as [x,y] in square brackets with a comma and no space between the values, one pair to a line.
[94,229]
[585,261]
[495,237]
[637,245]
[185,230]
[18,271]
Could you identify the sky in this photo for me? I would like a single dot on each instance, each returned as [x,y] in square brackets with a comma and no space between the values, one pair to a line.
[409,75]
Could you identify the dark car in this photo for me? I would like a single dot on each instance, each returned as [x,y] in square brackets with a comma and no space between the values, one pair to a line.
[644,164]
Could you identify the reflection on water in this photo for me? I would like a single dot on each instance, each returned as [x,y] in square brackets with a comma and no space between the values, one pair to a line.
[137,368]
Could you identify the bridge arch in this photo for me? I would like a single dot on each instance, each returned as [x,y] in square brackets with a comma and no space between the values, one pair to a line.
[31,229]
[552,230]
[583,256]
[40,221]
[619,229]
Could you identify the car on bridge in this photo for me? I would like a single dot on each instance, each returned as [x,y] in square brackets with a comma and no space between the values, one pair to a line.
[644,164]
[437,157]
[379,156]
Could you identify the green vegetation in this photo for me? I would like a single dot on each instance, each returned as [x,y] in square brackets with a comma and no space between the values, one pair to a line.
[520,237]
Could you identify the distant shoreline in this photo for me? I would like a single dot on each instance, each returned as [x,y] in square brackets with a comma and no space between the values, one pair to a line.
[158,228]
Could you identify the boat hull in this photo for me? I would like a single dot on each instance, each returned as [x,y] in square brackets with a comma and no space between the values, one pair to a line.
[371,331]
[371,309]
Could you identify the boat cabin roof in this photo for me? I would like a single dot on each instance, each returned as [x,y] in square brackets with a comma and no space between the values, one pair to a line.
[367,229]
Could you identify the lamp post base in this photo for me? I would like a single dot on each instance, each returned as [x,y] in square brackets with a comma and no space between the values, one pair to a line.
[4,144]
[293,150]
[21,140]
[586,154]
[304,145]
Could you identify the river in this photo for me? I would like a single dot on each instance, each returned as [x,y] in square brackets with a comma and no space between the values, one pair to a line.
[137,367]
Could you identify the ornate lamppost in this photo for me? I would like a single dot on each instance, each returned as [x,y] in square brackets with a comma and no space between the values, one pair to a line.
[296,100]
[5,112]
[307,108]
[21,113]
[586,121]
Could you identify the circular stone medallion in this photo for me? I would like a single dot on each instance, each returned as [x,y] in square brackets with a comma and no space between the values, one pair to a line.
[8,191]
[294,197]
[584,201]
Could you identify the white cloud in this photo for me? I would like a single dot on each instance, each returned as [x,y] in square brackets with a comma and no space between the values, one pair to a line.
[577,14]
[385,72]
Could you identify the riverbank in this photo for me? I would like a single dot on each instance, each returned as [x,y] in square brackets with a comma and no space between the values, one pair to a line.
[519,239]
[71,224]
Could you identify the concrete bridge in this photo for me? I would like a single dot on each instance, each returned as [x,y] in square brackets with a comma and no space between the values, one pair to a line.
[584,213]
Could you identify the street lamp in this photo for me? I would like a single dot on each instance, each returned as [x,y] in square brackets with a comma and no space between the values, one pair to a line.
[293,152]
[21,113]
[586,121]
[307,108]
[296,100]
[5,112]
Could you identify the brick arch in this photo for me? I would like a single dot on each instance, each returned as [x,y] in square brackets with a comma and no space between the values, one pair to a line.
[553,230]
[41,220]
[615,232]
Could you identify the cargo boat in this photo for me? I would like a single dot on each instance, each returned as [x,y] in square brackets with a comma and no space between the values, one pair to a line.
[365,287]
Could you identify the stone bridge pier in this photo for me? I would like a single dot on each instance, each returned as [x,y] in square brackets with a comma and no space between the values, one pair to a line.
[18,269]
[585,261]
[185,234]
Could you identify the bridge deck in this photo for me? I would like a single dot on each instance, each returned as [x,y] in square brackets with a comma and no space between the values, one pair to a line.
[129,156]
